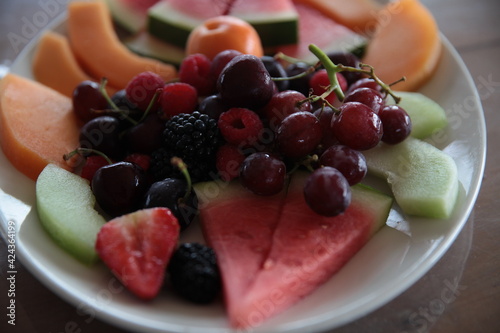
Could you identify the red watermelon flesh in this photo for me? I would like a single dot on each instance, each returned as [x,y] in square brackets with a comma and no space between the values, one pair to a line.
[239,226]
[201,9]
[304,250]
[316,28]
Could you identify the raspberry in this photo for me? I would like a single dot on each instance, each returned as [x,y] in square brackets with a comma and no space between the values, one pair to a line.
[178,98]
[142,160]
[319,83]
[195,70]
[141,89]
[240,126]
[92,164]
[228,161]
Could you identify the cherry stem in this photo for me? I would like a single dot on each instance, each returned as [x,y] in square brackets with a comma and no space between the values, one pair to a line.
[102,89]
[179,163]
[84,151]
[151,104]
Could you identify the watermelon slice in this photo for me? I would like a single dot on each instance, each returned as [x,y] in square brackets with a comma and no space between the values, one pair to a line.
[130,14]
[173,20]
[276,22]
[317,28]
[274,251]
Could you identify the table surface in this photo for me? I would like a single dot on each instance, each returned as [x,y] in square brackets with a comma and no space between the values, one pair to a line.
[472,263]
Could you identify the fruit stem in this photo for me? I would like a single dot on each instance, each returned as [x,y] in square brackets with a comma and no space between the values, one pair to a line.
[85,151]
[102,89]
[151,104]
[331,70]
[179,163]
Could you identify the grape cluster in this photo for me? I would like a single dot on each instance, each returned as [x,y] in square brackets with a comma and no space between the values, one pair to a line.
[235,116]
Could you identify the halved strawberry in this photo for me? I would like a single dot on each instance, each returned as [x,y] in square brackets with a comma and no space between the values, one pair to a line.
[137,248]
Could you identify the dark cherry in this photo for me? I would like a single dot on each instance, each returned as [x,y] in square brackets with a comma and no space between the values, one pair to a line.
[245,82]
[170,193]
[276,70]
[119,188]
[103,134]
[146,136]
[87,99]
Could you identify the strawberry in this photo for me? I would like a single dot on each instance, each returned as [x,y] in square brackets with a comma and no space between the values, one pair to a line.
[137,247]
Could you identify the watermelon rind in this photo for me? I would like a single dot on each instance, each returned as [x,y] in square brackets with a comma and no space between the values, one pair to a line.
[274,28]
[169,24]
[125,16]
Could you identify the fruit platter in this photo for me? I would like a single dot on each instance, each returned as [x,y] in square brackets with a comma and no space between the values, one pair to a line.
[264,228]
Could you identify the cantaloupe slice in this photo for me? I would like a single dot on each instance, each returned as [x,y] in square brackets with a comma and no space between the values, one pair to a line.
[37,125]
[358,15]
[98,48]
[406,44]
[55,65]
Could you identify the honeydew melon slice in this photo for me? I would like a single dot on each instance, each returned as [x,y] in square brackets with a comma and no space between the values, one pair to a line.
[148,46]
[276,21]
[423,179]
[427,116]
[65,206]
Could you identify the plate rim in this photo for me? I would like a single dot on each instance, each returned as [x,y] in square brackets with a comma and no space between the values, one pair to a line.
[411,277]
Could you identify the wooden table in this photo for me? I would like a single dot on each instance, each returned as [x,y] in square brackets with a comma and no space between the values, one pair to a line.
[471,266]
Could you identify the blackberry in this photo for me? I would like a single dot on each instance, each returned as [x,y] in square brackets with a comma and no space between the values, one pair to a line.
[194,273]
[195,138]
[161,167]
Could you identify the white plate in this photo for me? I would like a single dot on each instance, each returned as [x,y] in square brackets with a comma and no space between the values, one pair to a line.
[390,263]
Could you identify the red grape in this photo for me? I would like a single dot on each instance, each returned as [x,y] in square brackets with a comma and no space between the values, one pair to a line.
[396,123]
[327,192]
[351,163]
[357,126]
[263,174]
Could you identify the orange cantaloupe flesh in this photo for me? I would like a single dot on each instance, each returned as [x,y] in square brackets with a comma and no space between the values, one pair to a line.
[98,48]
[55,65]
[407,44]
[358,15]
[37,125]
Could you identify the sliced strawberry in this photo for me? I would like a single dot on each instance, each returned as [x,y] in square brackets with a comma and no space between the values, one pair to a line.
[137,248]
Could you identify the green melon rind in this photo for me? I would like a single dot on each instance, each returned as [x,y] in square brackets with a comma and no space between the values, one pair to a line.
[374,201]
[170,25]
[71,220]
[125,17]
[426,115]
[423,179]
[146,45]
[274,28]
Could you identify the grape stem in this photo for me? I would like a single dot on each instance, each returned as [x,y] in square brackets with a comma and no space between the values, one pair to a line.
[179,163]
[333,69]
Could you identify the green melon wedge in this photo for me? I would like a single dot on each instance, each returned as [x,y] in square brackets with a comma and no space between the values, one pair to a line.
[426,115]
[423,178]
[65,205]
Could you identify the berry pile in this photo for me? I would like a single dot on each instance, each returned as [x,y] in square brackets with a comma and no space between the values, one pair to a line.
[234,117]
